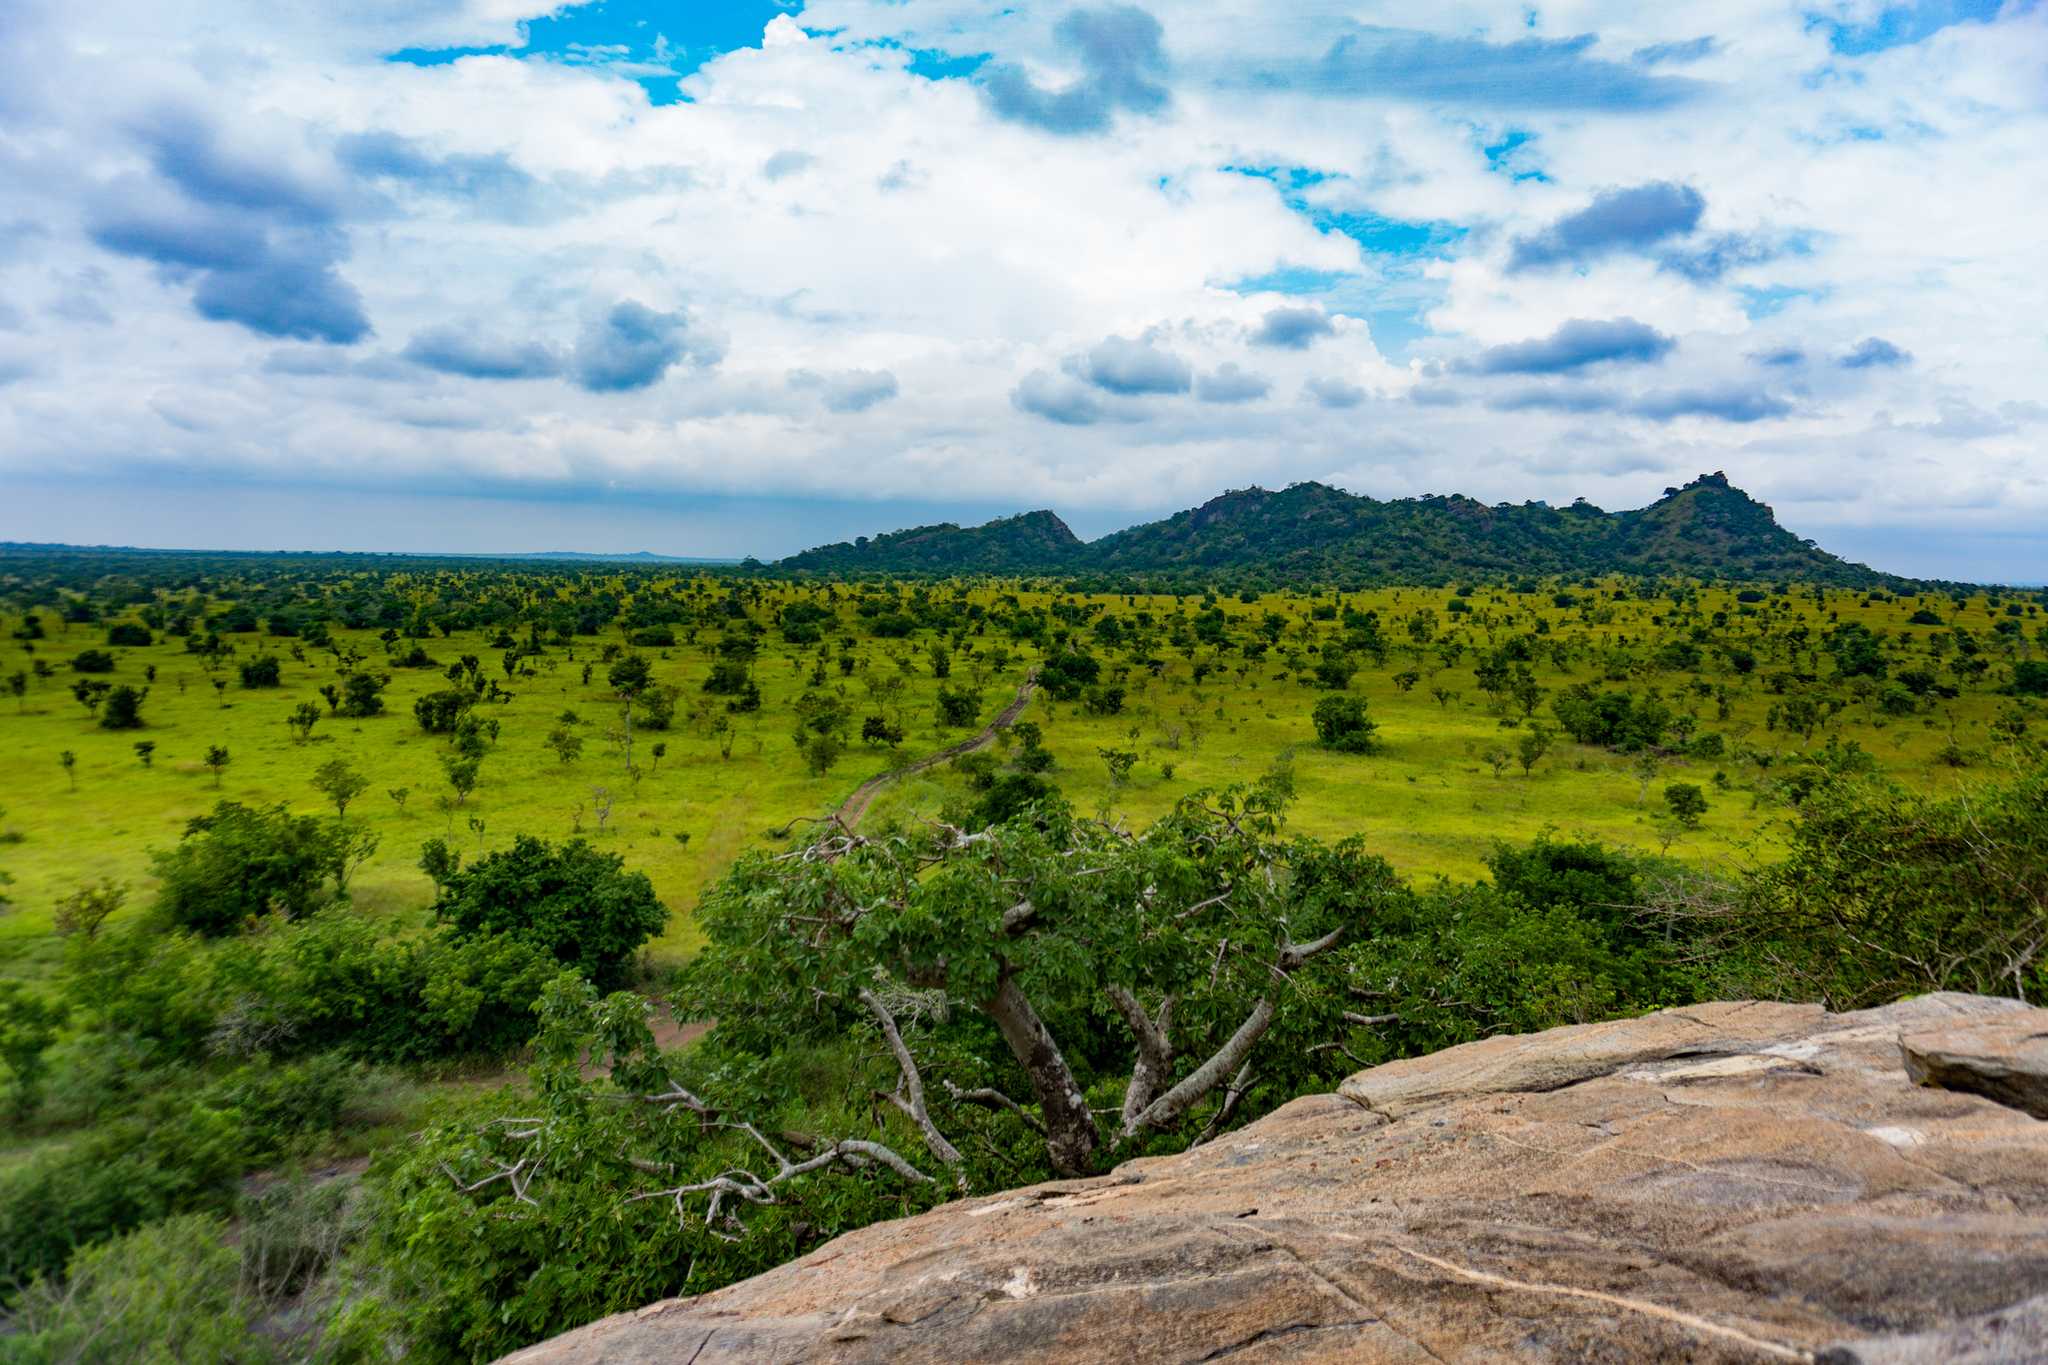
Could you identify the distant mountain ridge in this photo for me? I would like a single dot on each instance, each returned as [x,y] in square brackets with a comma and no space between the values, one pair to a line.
[1311,532]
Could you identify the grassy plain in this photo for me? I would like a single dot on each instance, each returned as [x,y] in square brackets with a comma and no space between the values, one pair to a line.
[1428,798]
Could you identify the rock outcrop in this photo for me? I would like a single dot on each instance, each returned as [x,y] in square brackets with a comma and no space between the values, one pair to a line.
[1727,1182]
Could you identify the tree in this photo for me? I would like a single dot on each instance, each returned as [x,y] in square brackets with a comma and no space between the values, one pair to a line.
[145,749]
[1207,932]
[122,709]
[1119,762]
[660,751]
[439,712]
[301,721]
[567,744]
[240,863]
[1334,669]
[821,752]
[1687,802]
[362,694]
[575,902]
[877,730]
[1533,745]
[217,760]
[340,784]
[17,685]
[69,762]
[461,771]
[1342,724]
[261,671]
[81,913]
[958,709]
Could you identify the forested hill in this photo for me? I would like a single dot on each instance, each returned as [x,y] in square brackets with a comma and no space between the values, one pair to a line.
[1035,542]
[1312,533]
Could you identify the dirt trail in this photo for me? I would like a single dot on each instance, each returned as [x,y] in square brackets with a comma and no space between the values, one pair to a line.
[857,804]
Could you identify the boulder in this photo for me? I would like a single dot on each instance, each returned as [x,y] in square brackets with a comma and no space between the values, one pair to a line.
[2003,1058]
[1726,1182]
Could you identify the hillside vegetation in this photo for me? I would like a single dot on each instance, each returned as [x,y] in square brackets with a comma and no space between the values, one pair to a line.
[1312,533]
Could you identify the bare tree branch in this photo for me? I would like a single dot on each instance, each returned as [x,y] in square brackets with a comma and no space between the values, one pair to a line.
[994,1099]
[909,1095]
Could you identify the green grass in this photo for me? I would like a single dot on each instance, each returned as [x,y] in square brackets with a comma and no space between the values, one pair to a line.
[1426,799]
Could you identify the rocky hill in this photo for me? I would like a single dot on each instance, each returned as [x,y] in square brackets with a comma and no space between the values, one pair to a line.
[1311,532]
[1722,1183]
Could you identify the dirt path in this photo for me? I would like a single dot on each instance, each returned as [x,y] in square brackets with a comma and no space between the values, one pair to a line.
[863,796]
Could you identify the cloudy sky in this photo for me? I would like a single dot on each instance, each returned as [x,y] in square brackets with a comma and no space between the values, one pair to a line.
[723,277]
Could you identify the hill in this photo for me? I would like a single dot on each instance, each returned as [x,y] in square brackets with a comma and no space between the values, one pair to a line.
[1311,532]
[1035,542]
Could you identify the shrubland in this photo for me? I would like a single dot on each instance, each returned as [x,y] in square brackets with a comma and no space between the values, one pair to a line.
[1236,846]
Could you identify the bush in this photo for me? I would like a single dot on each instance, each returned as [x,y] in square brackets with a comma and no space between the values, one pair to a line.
[1342,724]
[2030,678]
[130,635]
[439,712]
[241,863]
[169,1292]
[261,671]
[163,1160]
[92,661]
[572,901]
[122,710]
[362,695]
[1616,720]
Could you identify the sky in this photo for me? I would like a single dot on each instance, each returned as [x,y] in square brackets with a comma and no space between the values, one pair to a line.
[738,278]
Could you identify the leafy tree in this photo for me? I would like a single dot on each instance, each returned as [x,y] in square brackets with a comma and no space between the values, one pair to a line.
[122,709]
[1334,670]
[1533,745]
[240,863]
[261,671]
[217,761]
[1616,720]
[1119,762]
[630,675]
[1686,802]
[1342,724]
[570,900]
[878,730]
[301,721]
[362,695]
[129,635]
[958,709]
[340,784]
[69,761]
[821,752]
[81,913]
[145,750]
[1043,926]
[17,687]
[567,744]
[439,712]
[461,771]
[92,661]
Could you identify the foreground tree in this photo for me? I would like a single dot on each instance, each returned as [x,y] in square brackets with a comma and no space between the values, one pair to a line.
[1137,975]
[575,902]
[240,863]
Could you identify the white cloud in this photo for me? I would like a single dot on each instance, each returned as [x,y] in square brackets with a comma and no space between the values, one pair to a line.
[942,274]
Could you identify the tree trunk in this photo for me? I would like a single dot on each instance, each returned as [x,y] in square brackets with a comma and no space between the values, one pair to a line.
[1071,1138]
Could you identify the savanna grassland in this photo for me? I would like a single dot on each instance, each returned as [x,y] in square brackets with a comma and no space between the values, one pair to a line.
[1442,783]
[355,907]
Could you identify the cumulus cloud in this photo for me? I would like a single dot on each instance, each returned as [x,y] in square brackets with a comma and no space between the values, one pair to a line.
[848,390]
[490,184]
[785,163]
[1728,403]
[1124,366]
[1780,357]
[1230,384]
[1575,345]
[1057,399]
[1122,63]
[1530,73]
[460,351]
[1617,220]
[1294,329]
[1874,353]
[632,346]
[1680,52]
[257,234]
[1333,393]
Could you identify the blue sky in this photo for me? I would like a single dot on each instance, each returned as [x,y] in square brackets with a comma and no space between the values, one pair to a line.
[735,278]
